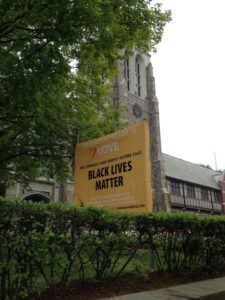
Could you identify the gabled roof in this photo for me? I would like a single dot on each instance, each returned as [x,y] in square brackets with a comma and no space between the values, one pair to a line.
[186,171]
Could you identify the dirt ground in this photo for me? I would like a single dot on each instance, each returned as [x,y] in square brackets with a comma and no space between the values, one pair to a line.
[126,284]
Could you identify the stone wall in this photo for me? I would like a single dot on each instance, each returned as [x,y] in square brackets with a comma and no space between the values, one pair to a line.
[137,108]
[48,188]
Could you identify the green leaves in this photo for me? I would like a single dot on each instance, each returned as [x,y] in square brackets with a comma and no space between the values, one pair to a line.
[44,104]
[46,244]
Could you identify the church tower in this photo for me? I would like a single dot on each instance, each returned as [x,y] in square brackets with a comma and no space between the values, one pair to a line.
[134,91]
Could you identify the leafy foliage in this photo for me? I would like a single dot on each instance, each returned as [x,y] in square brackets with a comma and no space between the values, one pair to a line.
[53,59]
[44,244]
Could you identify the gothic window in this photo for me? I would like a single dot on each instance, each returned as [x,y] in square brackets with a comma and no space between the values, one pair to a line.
[127,72]
[37,197]
[138,75]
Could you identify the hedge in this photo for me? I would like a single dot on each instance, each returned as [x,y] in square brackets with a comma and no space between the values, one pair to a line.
[44,244]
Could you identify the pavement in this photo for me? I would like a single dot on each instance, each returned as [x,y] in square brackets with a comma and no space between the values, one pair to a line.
[211,289]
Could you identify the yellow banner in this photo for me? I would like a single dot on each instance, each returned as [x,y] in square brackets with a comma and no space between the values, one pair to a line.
[114,171]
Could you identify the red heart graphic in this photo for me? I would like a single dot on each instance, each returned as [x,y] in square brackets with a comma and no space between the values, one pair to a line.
[92,151]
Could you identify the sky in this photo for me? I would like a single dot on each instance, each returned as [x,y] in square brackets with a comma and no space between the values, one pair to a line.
[189,69]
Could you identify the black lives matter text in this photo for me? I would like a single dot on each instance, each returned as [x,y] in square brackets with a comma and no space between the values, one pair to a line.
[112,182]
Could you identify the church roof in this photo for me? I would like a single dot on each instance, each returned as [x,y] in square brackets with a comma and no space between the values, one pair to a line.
[186,171]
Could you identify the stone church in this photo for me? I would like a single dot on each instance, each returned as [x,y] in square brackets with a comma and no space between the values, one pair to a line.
[134,90]
[176,184]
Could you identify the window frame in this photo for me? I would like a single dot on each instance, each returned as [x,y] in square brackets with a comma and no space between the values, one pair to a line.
[191,191]
[175,188]
[138,75]
[205,194]
[127,72]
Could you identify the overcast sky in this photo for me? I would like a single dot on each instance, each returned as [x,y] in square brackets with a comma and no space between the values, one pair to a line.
[189,68]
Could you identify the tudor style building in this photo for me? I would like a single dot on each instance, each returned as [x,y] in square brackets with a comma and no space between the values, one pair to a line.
[192,187]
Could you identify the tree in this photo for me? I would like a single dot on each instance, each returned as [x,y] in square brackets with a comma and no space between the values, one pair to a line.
[56,58]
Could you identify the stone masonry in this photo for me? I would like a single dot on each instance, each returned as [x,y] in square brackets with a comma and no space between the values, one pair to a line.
[134,92]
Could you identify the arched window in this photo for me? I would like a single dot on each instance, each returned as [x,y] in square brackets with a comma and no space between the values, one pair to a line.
[37,197]
[138,75]
[127,72]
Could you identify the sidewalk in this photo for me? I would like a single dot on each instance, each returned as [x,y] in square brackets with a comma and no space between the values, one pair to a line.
[211,289]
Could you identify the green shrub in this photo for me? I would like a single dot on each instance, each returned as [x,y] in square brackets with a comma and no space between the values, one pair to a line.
[44,244]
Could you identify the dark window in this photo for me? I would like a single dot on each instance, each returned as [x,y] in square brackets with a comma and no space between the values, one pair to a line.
[205,194]
[36,197]
[127,73]
[217,196]
[190,191]
[175,188]
[2,189]
[138,76]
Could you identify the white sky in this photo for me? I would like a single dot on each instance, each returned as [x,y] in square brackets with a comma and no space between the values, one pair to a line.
[189,68]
